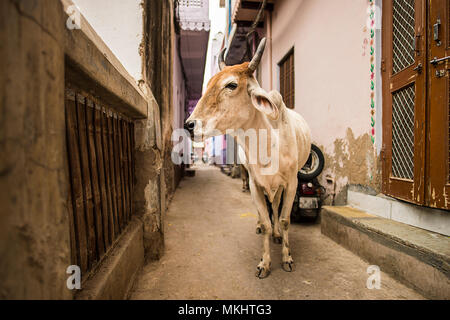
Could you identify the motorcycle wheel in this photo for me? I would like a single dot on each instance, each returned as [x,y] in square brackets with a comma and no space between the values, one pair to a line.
[314,166]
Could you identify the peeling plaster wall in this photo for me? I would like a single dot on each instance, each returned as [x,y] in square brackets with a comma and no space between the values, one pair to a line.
[158,56]
[332,85]
[149,198]
[353,161]
[155,172]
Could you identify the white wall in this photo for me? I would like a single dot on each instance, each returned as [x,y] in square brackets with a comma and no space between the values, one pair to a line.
[120,24]
[217,16]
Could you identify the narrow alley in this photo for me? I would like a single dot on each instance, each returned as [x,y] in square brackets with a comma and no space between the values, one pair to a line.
[212,251]
[129,129]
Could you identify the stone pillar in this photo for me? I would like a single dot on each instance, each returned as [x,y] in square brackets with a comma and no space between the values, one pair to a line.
[149,188]
[158,74]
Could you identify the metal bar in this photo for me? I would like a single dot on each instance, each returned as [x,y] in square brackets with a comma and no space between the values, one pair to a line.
[89,107]
[86,181]
[435,61]
[78,211]
[107,173]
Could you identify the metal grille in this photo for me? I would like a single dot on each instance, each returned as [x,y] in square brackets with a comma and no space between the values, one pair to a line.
[403,133]
[403,34]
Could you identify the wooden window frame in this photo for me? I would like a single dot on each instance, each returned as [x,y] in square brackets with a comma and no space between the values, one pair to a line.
[288,91]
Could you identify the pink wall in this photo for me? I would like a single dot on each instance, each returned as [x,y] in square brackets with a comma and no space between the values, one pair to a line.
[332,86]
[332,82]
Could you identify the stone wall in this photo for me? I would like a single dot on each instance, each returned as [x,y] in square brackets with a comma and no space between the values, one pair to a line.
[149,194]
[34,224]
[35,50]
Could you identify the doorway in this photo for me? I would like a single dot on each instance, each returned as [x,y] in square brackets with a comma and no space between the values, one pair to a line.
[416,113]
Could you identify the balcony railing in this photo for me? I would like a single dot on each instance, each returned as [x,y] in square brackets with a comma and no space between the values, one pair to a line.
[193,15]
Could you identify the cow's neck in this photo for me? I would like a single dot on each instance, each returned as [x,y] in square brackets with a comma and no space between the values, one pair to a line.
[269,182]
[257,124]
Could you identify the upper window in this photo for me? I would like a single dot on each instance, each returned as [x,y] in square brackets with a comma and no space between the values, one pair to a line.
[287,79]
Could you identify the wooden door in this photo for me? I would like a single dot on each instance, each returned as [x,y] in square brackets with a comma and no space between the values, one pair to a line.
[404,99]
[438,151]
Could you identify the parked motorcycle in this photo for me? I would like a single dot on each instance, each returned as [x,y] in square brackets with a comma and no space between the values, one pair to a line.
[310,193]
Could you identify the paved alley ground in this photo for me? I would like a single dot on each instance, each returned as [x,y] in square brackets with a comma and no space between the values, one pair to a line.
[212,251]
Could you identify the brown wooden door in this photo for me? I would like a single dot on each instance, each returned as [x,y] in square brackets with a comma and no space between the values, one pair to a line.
[438,151]
[404,99]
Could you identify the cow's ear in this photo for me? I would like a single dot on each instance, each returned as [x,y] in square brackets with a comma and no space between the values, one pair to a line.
[264,104]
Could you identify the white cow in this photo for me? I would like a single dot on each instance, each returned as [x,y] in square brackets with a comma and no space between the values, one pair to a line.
[235,101]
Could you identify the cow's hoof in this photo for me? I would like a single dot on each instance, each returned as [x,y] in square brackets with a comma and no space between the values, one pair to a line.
[262,272]
[277,240]
[288,266]
[258,230]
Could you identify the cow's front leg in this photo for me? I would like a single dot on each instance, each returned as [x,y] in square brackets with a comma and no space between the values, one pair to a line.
[263,268]
[285,221]
[244,176]
[276,222]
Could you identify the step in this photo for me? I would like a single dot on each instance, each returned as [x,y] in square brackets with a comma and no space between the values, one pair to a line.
[416,257]
[432,219]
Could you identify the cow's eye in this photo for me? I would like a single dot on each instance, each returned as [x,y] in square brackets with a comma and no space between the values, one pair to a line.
[231,86]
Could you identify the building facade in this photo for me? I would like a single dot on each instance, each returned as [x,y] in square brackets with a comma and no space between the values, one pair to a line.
[91,95]
[362,75]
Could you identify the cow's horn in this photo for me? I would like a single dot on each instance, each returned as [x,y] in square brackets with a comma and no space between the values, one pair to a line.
[222,64]
[253,65]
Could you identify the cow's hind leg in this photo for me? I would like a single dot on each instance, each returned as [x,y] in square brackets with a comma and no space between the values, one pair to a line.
[285,221]
[244,176]
[263,268]
[276,222]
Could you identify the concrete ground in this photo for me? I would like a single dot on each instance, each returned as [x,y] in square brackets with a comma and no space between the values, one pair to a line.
[212,251]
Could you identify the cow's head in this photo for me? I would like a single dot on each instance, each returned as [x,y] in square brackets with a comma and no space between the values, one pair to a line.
[232,99]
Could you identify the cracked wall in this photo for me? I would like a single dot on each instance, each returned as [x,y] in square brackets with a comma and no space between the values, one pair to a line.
[35,246]
[353,161]
[149,196]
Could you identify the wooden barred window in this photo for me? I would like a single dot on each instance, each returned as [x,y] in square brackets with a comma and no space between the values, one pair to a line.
[287,79]
[101,164]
